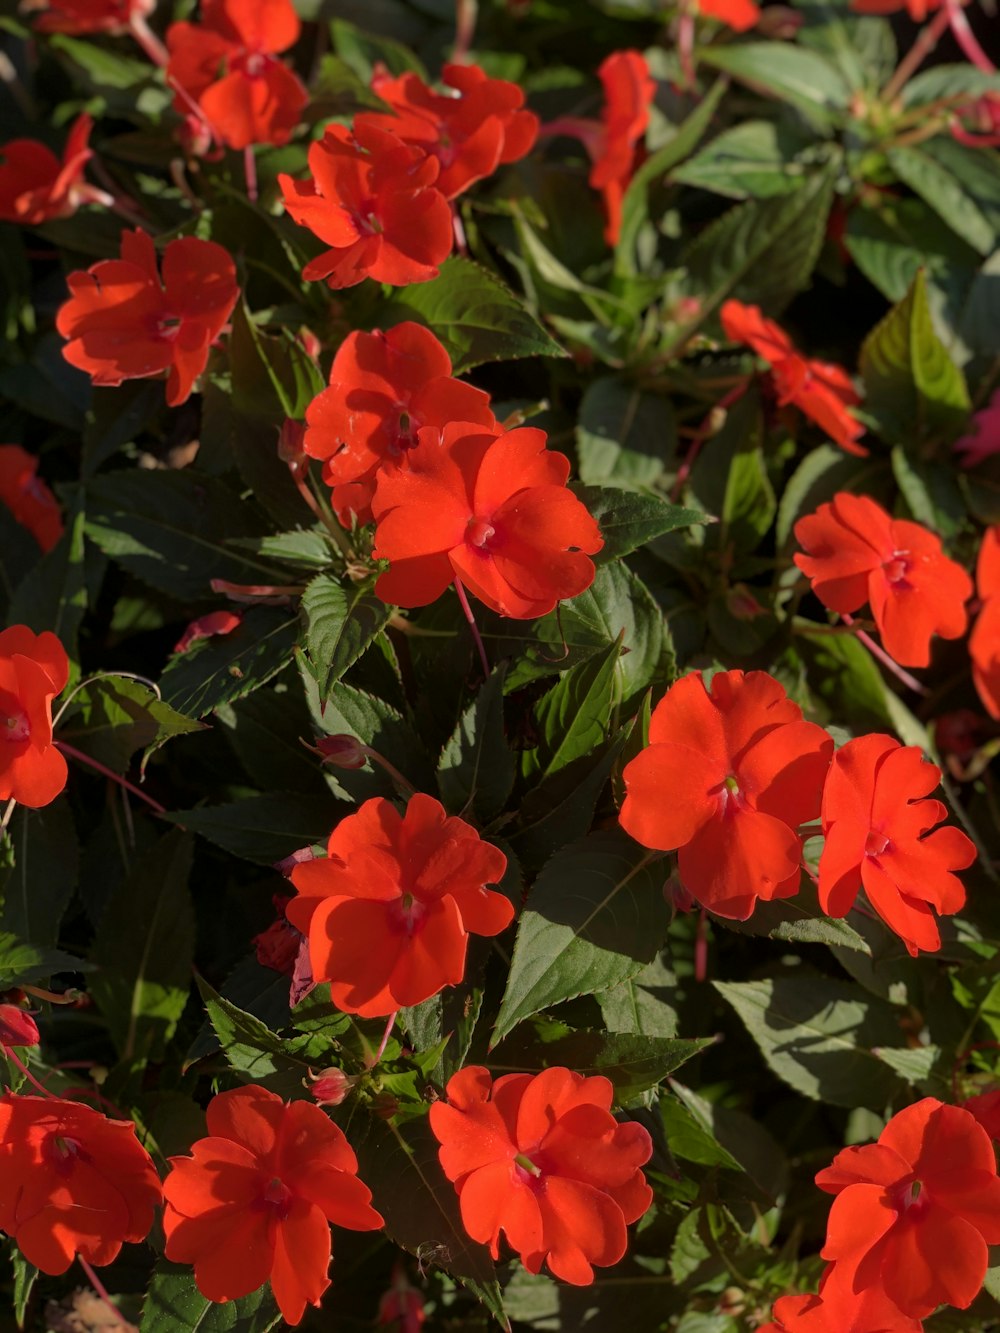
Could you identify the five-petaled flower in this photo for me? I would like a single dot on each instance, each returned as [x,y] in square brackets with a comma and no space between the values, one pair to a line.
[473,127]
[916,1211]
[855,553]
[34,668]
[76,18]
[72,1182]
[740,15]
[226,66]
[878,835]
[255,1199]
[27,497]
[373,200]
[629,89]
[123,323]
[984,641]
[384,388]
[729,775]
[35,185]
[491,510]
[389,911]
[542,1159]
[823,392]
[838,1308]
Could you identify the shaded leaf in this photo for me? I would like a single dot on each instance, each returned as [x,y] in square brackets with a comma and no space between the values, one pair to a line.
[477,767]
[225,668]
[173,1302]
[340,624]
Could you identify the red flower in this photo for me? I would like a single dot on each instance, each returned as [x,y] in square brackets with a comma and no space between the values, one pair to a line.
[17,1028]
[33,670]
[206,627]
[629,89]
[71,1182]
[822,391]
[470,130]
[986,1108]
[384,388]
[27,497]
[492,510]
[124,324]
[278,946]
[915,1212]
[984,441]
[740,15]
[727,778]
[389,912]
[372,199]
[541,1158]
[78,17]
[857,553]
[36,186]
[254,1200]
[402,1305]
[984,641]
[917,9]
[226,64]
[839,1309]
[877,830]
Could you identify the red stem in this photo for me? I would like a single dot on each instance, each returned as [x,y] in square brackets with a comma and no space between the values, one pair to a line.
[148,40]
[467,609]
[250,169]
[882,656]
[702,434]
[102,1291]
[966,38]
[18,1063]
[72,753]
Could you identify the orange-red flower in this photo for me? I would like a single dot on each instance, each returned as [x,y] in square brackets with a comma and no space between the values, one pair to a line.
[72,1182]
[915,1212]
[34,668]
[729,775]
[479,123]
[855,553]
[822,391]
[839,1309]
[629,89]
[374,201]
[985,1106]
[255,1199]
[542,1159]
[78,17]
[123,323]
[740,15]
[390,910]
[27,496]
[492,510]
[984,641]
[36,186]
[384,388]
[878,837]
[226,64]
[917,9]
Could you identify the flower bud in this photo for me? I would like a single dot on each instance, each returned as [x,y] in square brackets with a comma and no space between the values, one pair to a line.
[291,444]
[331,1086]
[17,1028]
[342,751]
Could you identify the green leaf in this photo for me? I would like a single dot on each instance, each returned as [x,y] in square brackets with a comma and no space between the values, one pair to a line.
[477,767]
[24,1280]
[628,521]
[263,829]
[945,194]
[643,1005]
[799,920]
[174,1303]
[272,376]
[816,480]
[753,160]
[476,317]
[225,668]
[817,1035]
[791,72]
[573,717]
[561,808]
[625,435]
[399,1164]
[38,887]
[740,1137]
[174,530]
[762,252]
[19,553]
[596,916]
[21,962]
[54,594]
[340,625]
[912,387]
[632,1062]
[112,717]
[144,951]
[931,490]
[749,506]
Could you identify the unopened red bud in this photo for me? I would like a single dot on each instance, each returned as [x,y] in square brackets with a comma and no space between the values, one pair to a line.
[677,896]
[385,1106]
[291,443]
[742,604]
[17,1028]
[288,863]
[342,751]
[331,1086]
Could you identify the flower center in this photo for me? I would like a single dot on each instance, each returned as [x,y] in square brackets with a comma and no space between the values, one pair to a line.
[411,912]
[405,435]
[525,1169]
[168,327]
[366,219]
[897,570]
[62,1153]
[479,533]
[254,64]
[16,726]
[278,1197]
[877,844]
[909,1195]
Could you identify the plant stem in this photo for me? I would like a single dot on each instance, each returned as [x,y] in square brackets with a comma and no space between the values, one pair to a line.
[150,43]
[11,806]
[72,753]
[250,170]
[18,1063]
[882,656]
[927,39]
[467,610]
[466,13]
[102,1291]
[966,38]
[385,1039]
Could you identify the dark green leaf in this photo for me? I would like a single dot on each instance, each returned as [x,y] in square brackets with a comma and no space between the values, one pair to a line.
[476,769]
[625,436]
[54,594]
[271,376]
[225,668]
[173,1302]
[941,190]
[21,962]
[263,828]
[24,1280]
[628,521]
[340,624]
[752,160]
[561,808]
[112,717]
[793,73]
[37,888]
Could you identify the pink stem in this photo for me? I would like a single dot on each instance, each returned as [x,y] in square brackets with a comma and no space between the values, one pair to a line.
[18,1063]
[148,40]
[461,245]
[250,168]
[406,788]
[466,13]
[702,434]
[927,39]
[385,1039]
[685,49]
[102,1291]
[701,947]
[966,38]
[882,656]
[463,601]
[82,758]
